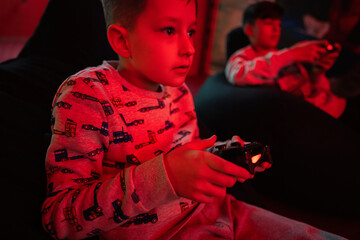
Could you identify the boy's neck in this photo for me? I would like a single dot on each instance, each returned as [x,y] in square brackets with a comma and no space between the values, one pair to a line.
[135,79]
[262,51]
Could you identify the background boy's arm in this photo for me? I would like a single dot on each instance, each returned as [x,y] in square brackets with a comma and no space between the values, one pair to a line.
[245,68]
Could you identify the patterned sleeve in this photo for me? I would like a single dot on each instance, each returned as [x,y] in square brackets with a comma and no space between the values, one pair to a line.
[81,201]
[244,70]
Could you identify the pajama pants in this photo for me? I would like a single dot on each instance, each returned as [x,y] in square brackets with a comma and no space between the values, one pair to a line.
[233,219]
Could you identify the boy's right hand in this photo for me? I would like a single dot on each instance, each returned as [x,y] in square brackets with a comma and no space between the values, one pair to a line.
[308,51]
[199,175]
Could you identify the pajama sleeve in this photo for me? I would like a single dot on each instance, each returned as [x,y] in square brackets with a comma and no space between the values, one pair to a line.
[244,70]
[81,200]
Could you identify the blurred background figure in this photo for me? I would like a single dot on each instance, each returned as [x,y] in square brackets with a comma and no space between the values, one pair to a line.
[344,21]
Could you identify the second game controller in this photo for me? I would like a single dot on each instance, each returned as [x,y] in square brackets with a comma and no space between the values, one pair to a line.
[330,47]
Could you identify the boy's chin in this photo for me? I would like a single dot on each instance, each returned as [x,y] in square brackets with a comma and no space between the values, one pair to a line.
[274,44]
[176,81]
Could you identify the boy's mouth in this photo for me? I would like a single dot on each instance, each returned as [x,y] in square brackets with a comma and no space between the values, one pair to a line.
[182,67]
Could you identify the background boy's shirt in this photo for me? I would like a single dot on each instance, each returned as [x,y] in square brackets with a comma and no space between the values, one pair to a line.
[277,68]
[105,162]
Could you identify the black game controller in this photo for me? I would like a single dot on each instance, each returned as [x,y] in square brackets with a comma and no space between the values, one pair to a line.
[248,156]
[330,47]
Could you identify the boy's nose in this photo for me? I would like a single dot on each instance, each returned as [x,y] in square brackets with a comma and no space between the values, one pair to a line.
[276,28]
[186,47]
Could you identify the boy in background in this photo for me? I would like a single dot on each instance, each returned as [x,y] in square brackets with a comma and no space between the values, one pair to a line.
[125,161]
[262,64]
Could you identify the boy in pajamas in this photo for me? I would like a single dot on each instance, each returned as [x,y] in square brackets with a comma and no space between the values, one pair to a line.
[262,64]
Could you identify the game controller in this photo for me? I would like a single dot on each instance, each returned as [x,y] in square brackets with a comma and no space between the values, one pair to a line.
[248,156]
[330,47]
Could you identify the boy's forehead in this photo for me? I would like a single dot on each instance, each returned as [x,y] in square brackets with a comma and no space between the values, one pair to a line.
[167,2]
[268,19]
[170,9]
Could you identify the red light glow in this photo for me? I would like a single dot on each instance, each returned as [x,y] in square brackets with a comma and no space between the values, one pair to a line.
[329,47]
[256,158]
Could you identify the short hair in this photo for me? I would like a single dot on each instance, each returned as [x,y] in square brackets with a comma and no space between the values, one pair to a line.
[125,11]
[262,10]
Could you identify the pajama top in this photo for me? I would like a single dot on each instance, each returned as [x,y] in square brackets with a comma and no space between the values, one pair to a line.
[104,165]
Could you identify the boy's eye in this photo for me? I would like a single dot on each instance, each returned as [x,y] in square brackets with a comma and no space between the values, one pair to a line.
[268,21]
[168,30]
[191,32]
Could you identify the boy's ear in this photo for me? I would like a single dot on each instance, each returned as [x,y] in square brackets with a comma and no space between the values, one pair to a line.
[118,37]
[248,30]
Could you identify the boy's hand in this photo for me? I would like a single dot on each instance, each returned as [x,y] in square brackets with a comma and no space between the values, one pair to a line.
[327,60]
[200,175]
[308,51]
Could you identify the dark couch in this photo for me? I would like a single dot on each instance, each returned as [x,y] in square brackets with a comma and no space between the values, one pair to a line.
[316,159]
[70,36]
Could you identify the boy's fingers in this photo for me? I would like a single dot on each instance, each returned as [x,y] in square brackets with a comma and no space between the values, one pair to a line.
[263,167]
[237,139]
[266,165]
[202,144]
[229,168]
[260,169]
[220,179]
[242,180]
[338,46]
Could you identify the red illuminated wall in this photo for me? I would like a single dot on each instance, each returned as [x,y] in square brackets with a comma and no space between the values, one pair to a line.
[19,18]
[207,13]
